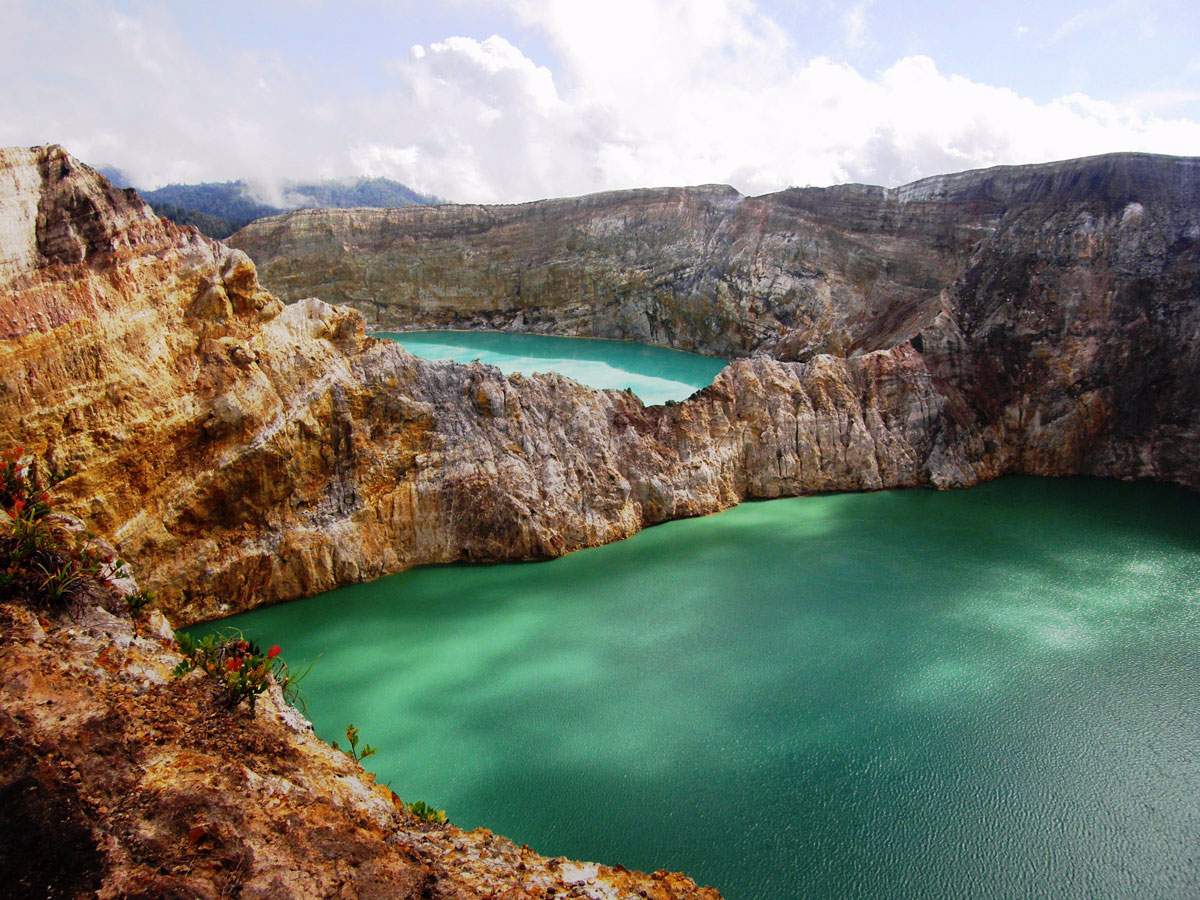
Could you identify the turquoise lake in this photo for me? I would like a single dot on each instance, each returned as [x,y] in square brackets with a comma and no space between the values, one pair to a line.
[654,374]
[988,693]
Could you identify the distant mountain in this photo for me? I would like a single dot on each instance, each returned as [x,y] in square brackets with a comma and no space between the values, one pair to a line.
[220,208]
[118,177]
[374,192]
[216,208]
[213,226]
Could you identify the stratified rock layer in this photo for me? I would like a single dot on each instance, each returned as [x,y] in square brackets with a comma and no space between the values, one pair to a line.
[1038,320]
[1054,306]
[209,425]
[701,269]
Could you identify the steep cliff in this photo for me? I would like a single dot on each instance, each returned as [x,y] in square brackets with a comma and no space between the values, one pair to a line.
[120,781]
[700,269]
[1054,305]
[207,425]
[240,452]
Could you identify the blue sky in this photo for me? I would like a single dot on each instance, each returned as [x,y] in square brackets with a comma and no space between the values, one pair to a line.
[518,99]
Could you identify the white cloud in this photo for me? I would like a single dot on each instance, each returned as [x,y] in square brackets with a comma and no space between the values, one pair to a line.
[1144,102]
[642,92]
[854,23]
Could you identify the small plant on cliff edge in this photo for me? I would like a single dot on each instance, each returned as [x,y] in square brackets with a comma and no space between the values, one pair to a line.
[352,738]
[418,808]
[238,664]
[427,813]
[41,561]
[137,602]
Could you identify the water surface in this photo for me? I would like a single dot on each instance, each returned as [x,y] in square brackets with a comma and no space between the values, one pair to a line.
[992,693]
[654,374]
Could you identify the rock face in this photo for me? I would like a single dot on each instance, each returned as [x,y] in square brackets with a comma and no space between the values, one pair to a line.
[701,269]
[1038,320]
[149,358]
[1054,306]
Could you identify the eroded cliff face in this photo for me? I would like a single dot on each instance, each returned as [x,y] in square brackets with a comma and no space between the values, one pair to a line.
[240,452]
[1054,306]
[701,269]
[222,441]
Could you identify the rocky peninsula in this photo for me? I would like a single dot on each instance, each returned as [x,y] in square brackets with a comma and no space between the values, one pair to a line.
[140,356]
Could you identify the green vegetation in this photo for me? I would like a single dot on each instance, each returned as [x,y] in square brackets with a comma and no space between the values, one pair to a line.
[137,602]
[220,208]
[424,811]
[238,664]
[418,808]
[352,738]
[212,205]
[43,562]
[213,226]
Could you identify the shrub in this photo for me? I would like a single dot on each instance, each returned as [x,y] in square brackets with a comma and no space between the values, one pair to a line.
[427,813]
[239,664]
[352,738]
[137,602]
[41,562]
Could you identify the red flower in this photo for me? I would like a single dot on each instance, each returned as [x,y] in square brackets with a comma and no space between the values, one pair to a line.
[273,652]
[233,663]
[18,505]
[44,497]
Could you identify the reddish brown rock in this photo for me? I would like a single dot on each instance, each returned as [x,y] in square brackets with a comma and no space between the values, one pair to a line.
[240,454]
[119,781]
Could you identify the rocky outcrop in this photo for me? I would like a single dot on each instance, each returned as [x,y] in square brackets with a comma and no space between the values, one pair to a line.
[207,423]
[240,452]
[805,271]
[119,781]
[1054,306]
[701,269]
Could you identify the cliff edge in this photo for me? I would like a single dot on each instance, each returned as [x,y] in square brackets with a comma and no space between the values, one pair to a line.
[241,452]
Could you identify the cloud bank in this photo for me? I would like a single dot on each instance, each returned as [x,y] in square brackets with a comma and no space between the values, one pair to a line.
[638,93]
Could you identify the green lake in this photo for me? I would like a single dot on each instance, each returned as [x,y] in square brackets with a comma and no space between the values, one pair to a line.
[988,693]
[654,374]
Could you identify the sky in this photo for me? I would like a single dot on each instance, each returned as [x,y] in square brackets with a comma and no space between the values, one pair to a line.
[514,100]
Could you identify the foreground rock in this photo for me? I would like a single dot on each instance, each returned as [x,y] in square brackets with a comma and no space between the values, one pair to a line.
[241,452]
[118,781]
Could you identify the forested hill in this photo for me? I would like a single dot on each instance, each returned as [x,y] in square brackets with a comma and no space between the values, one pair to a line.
[220,208]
